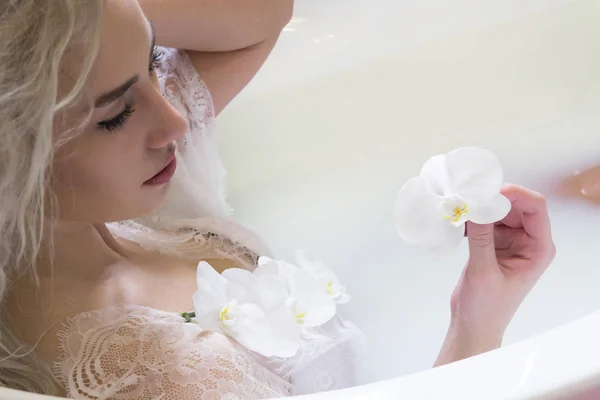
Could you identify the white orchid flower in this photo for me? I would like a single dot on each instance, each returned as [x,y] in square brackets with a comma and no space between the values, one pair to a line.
[236,310]
[267,291]
[328,280]
[305,299]
[464,185]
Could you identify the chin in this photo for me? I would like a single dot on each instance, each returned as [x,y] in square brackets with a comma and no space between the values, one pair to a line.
[156,197]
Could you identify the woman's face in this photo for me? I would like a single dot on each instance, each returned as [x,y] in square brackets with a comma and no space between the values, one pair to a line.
[105,173]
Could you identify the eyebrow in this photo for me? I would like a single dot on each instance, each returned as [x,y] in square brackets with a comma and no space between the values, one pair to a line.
[115,94]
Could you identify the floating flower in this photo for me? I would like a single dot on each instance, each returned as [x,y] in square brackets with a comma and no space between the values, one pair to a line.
[464,185]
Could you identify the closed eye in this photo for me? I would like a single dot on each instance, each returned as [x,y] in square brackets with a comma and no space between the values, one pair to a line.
[118,121]
[156,59]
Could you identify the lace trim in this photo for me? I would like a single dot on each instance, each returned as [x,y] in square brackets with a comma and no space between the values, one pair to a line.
[187,243]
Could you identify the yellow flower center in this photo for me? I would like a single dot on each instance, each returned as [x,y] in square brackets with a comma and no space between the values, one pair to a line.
[330,287]
[300,318]
[457,213]
[223,314]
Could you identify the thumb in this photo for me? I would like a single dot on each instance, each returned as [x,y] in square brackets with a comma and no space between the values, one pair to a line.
[481,244]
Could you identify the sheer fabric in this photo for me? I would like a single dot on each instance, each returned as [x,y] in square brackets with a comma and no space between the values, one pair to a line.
[133,352]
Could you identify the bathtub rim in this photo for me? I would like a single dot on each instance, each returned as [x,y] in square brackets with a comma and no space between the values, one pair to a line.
[570,345]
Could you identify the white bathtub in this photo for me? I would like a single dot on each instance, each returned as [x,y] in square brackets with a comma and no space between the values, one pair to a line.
[357,95]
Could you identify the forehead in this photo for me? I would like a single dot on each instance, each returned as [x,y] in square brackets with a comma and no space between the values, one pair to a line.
[124,46]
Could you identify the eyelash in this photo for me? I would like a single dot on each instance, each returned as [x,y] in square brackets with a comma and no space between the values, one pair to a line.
[118,121]
[157,56]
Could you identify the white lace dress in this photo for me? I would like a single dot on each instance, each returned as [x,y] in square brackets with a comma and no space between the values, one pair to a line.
[133,352]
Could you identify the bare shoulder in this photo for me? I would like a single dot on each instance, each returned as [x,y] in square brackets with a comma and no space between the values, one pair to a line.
[39,311]
[156,282]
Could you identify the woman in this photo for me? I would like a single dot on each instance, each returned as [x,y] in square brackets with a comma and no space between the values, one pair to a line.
[98,125]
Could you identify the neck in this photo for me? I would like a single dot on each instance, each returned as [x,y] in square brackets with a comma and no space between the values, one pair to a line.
[79,249]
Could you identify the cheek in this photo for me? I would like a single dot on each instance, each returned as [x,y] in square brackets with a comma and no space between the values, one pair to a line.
[98,186]
[92,167]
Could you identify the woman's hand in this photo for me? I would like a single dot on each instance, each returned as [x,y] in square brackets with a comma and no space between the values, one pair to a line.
[506,260]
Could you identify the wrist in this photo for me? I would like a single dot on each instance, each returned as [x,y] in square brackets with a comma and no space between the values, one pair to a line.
[481,329]
[463,342]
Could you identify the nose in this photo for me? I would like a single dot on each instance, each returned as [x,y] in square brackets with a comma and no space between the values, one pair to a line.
[168,124]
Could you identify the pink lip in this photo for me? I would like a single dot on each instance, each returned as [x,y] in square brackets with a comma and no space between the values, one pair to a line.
[165,174]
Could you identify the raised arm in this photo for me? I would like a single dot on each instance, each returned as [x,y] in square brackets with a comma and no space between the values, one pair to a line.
[227,41]
[216,25]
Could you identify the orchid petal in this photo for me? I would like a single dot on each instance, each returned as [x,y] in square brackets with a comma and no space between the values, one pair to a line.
[491,212]
[209,279]
[475,173]
[240,275]
[286,330]
[240,285]
[454,235]
[273,335]
[276,267]
[240,292]
[313,305]
[249,318]
[263,260]
[207,310]
[271,291]
[341,297]
[211,295]
[316,268]
[326,277]
[267,291]
[416,215]
[284,271]
[436,176]
[266,266]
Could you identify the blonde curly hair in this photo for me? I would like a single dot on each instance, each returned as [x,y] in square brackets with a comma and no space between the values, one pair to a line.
[35,38]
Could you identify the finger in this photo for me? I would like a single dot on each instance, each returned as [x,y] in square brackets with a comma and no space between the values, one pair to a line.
[514,219]
[482,251]
[504,237]
[532,205]
[502,234]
